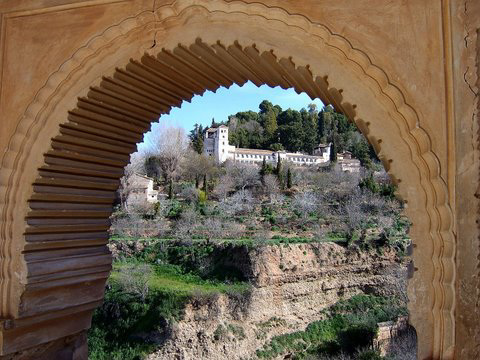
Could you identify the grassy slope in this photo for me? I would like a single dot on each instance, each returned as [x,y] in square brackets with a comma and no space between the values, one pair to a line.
[169,277]
[123,316]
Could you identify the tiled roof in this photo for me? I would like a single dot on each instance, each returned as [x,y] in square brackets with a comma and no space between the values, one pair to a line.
[304,156]
[253,151]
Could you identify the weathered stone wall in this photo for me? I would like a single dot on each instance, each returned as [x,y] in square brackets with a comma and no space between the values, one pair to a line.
[73,347]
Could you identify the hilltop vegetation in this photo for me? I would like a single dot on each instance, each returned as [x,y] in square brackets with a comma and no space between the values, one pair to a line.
[276,129]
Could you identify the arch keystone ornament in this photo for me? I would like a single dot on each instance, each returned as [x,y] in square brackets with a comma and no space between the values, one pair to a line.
[132,61]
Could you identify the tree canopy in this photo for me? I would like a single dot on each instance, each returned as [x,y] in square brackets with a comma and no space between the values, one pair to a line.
[277,129]
[292,130]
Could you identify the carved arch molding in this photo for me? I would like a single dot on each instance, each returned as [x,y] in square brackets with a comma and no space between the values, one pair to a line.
[90,114]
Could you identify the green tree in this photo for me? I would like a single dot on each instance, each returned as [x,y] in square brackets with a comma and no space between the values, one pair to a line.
[325,121]
[271,127]
[196,138]
[279,172]
[360,149]
[265,107]
[276,147]
[291,130]
[245,130]
[205,185]
[289,178]
[263,169]
[333,150]
[268,119]
[310,133]
[266,169]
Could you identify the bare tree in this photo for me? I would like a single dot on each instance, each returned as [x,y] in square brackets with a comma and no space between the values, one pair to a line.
[336,184]
[196,166]
[271,186]
[136,165]
[320,232]
[241,202]
[134,279]
[385,224]
[139,206]
[225,185]
[306,202]
[244,175]
[168,147]
[186,226]
[214,229]
[355,217]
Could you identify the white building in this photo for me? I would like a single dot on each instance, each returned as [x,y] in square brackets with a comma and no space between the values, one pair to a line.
[348,163]
[216,144]
[141,190]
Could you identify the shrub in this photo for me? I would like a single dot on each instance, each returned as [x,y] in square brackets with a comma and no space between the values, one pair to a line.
[174,210]
[368,182]
[220,333]
[305,203]
[349,326]
[236,331]
[202,197]
[190,194]
[368,354]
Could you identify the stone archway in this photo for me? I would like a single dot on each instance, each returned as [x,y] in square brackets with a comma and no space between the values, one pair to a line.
[91,112]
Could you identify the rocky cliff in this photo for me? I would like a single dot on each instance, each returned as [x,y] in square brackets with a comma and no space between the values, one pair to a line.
[291,284]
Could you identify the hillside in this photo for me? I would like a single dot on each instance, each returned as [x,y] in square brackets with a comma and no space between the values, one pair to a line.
[244,261]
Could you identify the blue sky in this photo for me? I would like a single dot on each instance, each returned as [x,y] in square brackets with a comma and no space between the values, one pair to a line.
[226,102]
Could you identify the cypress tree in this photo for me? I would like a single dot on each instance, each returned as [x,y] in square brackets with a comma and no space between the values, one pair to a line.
[263,169]
[205,185]
[289,178]
[279,165]
[196,138]
[333,150]
[278,171]
[198,144]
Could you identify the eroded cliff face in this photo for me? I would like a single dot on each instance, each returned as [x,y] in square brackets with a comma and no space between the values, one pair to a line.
[291,285]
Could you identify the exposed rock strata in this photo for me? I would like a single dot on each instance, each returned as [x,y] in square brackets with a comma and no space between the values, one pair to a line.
[291,285]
